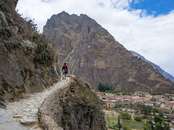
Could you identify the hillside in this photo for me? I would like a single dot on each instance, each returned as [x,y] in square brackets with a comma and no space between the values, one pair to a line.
[70,104]
[74,106]
[28,62]
[28,67]
[156,67]
[93,54]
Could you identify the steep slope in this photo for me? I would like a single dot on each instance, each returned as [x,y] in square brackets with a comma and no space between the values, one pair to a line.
[93,54]
[156,67]
[72,107]
[27,62]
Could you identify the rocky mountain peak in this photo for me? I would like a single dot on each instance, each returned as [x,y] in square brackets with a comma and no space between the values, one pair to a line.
[74,20]
[63,13]
[92,53]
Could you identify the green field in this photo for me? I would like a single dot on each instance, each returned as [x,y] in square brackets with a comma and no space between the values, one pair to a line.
[112,120]
[133,125]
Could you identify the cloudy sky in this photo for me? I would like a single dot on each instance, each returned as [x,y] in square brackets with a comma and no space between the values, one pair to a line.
[144,26]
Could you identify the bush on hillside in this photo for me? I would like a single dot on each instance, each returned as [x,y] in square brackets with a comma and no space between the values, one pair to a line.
[105,87]
[157,123]
[126,128]
[138,118]
[44,54]
[32,24]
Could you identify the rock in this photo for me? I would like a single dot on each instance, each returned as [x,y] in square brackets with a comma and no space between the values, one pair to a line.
[28,122]
[93,54]
[74,107]
[2,104]
[17,116]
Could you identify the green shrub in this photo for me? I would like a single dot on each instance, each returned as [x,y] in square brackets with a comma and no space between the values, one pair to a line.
[125,116]
[32,24]
[105,87]
[38,38]
[126,128]
[159,122]
[44,54]
[138,118]
[146,110]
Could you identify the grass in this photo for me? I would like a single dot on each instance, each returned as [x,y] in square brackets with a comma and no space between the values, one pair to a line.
[112,119]
[133,125]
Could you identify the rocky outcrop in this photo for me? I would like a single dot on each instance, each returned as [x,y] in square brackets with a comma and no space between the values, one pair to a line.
[93,54]
[27,61]
[73,107]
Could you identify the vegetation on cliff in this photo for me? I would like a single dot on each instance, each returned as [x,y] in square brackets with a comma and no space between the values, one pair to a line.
[28,60]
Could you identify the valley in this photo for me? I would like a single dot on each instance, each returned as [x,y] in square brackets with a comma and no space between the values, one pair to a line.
[138,111]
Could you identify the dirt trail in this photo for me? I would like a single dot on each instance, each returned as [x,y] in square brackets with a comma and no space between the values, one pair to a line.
[22,115]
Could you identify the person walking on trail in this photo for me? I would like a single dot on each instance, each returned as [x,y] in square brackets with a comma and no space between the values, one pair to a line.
[65,70]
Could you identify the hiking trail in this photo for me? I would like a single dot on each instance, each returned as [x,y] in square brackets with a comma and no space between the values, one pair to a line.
[23,114]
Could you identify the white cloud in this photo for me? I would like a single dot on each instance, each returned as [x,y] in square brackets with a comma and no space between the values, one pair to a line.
[149,36]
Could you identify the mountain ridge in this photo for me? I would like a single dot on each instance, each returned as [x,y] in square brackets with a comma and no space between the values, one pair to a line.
[157,67]
[94,54]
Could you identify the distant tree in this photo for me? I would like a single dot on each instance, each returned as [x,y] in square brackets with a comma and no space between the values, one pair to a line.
[158,123]
[32,24]
[44,55]
[147,126]
[104,87]
[138,118]
[119,123]
[126,128]
[146,110]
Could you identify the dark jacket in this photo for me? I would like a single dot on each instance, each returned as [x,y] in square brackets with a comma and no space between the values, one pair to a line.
[65,69]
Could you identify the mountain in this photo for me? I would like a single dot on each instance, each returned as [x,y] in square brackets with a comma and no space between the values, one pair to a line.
[27,61]
[94,55]
[156,67]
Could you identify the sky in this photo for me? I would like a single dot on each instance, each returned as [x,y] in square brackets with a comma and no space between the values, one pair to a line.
[144,26]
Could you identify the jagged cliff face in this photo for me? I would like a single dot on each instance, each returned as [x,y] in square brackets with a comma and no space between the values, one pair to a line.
[72,107]
[27,63]
[93,54]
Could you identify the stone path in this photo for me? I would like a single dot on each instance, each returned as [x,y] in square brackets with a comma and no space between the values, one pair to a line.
[22,115]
